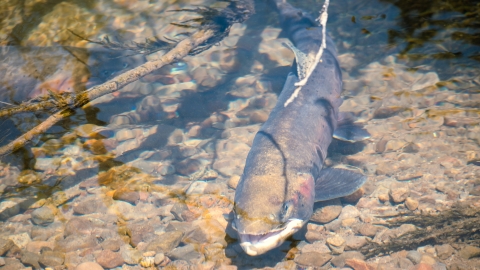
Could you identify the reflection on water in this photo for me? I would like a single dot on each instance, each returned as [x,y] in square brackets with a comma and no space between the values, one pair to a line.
[145,177]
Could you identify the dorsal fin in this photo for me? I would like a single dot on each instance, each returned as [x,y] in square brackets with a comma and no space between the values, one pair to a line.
[304,61]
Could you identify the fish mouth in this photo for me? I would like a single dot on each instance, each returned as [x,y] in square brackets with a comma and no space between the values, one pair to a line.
[257,244]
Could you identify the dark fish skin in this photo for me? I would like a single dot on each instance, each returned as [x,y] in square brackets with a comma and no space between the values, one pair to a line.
[288,152]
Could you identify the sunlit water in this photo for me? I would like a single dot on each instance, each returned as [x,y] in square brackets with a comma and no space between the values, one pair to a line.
[145,176]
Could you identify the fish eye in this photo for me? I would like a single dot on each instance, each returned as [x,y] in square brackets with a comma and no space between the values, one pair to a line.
[287,210]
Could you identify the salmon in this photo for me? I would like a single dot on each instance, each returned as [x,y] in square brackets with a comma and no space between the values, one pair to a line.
[284,172]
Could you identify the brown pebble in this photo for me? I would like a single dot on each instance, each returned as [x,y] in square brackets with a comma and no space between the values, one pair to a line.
[398,195]
[411,204]
[383,197]
[354,197]
[469,252]
[109,259]
[368,230]
[326,211]
[358,264]
[409,176]
[89,266]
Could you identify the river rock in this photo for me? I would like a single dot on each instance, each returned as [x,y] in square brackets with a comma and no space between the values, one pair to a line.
[187,253]
[336,244]
[326,211]
[43,216]
[444,251]
[109,259]
[165,242]
[31,259]
[399,195]
[313,259]
[89,266]
[469,252]
[21,240]
[50,258]
[5,245]
[89,206]
[339,261]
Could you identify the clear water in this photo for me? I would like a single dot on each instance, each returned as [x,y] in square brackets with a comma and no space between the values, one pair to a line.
[164,153]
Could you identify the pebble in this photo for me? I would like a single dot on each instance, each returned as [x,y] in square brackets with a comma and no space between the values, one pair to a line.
[336,244]
[127,195]
[357,264]
[444,251]
[165,242]
[411,204]
[233,181]
[314,233]
[89,266]
[130,255]
[326,211]
[427,259]
[469,252]
[159,258]
[355,242]
[31,259]
[187,253]
[414,256]
[89,206]
[20,240]
[368,229]
[340,260]
[5,245]
[51,258]
[43,216]
[399,195]
[109,259]
[313,259]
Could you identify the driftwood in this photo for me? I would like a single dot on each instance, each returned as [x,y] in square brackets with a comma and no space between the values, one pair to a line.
[209,33]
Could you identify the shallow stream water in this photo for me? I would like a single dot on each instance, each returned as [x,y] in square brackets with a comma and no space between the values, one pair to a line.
[145,177]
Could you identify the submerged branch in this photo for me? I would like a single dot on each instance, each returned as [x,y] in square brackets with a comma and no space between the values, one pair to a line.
[207,35]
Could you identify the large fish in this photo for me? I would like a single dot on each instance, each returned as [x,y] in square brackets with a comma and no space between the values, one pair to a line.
[284,173]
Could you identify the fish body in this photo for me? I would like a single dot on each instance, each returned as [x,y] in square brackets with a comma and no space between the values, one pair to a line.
[284,174]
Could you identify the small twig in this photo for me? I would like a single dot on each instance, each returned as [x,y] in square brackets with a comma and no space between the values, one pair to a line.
[323,22]
[7,103]
[178,52]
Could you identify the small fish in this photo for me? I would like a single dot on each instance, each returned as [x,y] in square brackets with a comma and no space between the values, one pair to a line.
[284,173]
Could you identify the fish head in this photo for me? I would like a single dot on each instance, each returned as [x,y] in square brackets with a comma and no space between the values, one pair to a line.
[270,209]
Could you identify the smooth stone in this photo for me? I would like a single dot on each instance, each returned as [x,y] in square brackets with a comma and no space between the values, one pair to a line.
[89,266]
[43,216]
[355,242]
[130,255]
[90,206]
[187,253]
[326,211]
[314,233]
[31,259]
[411,204]
[313,259]
[444,251]
[414,256]
[469,252]
[41,233]
[336,244]
[165,242]
[127,195]
[349,211]
[21,240]
[109,259]
[50,258]
[5,245]
[368,229]
[399,195]
[339,261]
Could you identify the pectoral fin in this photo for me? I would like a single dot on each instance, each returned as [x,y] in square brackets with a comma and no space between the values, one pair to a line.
[336,182]
[350,133]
